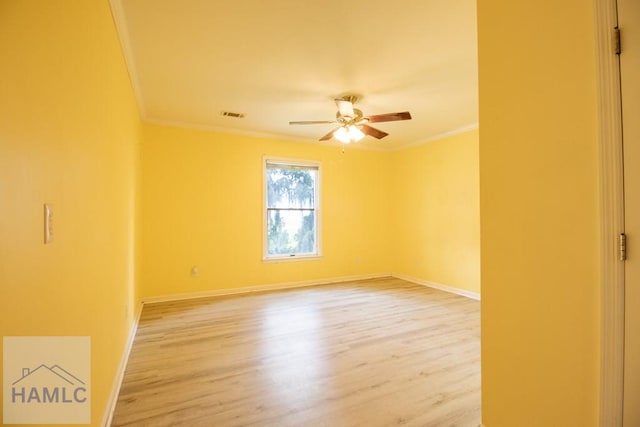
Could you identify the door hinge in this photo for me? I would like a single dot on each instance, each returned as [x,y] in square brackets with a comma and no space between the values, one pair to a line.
[616,41]
[622,247]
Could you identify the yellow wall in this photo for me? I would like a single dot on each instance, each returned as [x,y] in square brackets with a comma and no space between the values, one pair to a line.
[68,136]
[436,217]
[539,213]
[414,212]
[202,205]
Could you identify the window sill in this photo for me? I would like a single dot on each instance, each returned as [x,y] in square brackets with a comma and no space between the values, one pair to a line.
[291,258]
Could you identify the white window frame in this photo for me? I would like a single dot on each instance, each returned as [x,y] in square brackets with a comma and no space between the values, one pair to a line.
[267,160]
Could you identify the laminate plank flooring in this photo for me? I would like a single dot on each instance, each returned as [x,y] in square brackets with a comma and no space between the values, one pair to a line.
[368,353]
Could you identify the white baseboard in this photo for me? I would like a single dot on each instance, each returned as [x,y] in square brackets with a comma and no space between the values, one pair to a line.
[261,288]
[117,382]
[457,291]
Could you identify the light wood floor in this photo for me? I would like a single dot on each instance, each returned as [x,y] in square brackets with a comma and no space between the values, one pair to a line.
[368,353]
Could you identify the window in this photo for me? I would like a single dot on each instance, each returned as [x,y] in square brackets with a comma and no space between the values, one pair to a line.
[291,215]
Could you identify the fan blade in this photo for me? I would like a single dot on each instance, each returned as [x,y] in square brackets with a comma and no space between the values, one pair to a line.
[376,133]
[329,135]
[345,108]
[311,122]
[390,117]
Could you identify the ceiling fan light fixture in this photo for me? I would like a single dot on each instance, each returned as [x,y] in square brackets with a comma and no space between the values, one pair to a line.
[355,134]
[352,124]
[349,133]
[342,135]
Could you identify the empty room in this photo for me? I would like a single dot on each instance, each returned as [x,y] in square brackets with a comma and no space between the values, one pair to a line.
[305,214]
[247,188]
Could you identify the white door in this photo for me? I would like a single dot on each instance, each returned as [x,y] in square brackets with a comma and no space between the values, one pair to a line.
[629,23]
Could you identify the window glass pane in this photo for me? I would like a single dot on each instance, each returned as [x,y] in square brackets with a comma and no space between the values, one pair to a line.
[289,187]
[290,232]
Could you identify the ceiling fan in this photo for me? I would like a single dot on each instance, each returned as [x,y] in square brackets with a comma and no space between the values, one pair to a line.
[353,125]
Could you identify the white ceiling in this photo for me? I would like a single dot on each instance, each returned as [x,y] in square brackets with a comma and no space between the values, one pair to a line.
[282,60]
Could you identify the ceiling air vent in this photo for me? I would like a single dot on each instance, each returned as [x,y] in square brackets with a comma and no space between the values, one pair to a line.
[231,114]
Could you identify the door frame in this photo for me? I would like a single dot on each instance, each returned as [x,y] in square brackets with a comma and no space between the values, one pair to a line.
[612,215]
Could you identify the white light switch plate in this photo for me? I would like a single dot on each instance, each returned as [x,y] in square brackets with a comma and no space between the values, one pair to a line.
[48,223]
